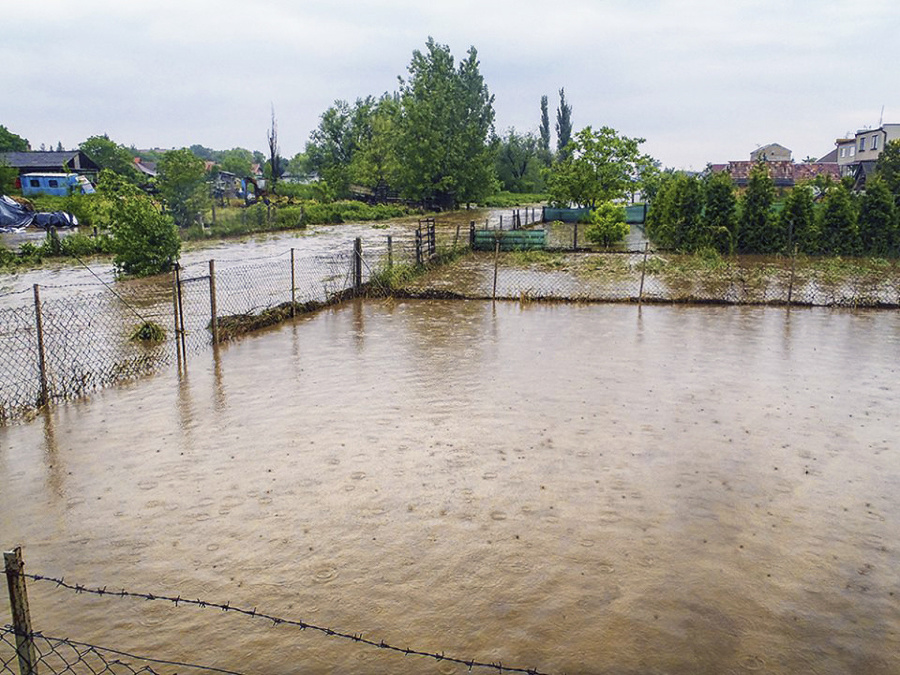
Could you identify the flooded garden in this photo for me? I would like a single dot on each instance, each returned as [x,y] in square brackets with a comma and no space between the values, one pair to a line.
[567,488]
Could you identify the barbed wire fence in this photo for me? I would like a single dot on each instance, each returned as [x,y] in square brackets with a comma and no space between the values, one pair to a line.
[24,651]
[82,339]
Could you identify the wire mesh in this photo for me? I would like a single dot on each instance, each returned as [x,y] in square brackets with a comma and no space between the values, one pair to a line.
[88,333]
[20,385]
[57,656]
[62,656]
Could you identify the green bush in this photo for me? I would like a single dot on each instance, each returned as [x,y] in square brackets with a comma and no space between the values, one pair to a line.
[606,224]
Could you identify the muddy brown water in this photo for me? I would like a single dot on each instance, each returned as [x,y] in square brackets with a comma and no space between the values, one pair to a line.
[571,488]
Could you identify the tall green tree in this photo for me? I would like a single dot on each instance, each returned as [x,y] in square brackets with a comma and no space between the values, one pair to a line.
[888,167]
[238,161]
[374,162]
[720,211]
[545,131]
[10,142]
[517,161]
[878,226]
[798,220]
[108,154]
[342,131]
[182,184]
[600,168]
[144,241]
[756,233]
[8,175]
[839,234]
[686,210]
[444,150]
[563,125]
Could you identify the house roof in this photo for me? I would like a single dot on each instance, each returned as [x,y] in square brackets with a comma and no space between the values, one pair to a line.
[784,174]
[830,157]
[31,161]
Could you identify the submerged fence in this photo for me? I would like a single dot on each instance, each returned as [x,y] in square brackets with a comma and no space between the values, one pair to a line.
[26,651]
[60,343]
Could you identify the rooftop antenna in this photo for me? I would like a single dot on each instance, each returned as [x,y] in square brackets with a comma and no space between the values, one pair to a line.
[881,119]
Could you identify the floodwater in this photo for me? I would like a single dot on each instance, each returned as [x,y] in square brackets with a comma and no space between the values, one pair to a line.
[570,488]
[62,279]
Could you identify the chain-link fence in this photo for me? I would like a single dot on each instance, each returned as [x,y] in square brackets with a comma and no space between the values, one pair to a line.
[647,276]
[74,343]
[26,651]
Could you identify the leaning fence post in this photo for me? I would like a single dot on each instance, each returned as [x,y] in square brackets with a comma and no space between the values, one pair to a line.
[293,286]
[21,616]
[643,272]
[42,361]
[791,282]
[214,321]
[357,265]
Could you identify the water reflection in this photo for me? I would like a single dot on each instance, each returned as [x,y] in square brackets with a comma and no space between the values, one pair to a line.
[571,487]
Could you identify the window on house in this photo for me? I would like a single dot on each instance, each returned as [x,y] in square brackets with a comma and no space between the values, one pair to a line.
[874,142]
[54,182]
[843,152]
[862,144]
[34,182]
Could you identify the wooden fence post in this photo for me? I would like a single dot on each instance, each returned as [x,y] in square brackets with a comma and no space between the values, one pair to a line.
[390,264]
[419,245]
[472,234]
[643,273]
[357,265]
[42,361]
[21,616]
[214,319]
[575,238]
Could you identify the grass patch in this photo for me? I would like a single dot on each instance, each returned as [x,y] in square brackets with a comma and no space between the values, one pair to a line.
[502,200]
[149,332]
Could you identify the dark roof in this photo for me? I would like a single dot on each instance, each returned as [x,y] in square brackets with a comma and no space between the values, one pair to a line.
[75,160]
[830,157]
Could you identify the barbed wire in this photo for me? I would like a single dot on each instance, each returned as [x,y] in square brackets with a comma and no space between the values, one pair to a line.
[54,644]
[278,621]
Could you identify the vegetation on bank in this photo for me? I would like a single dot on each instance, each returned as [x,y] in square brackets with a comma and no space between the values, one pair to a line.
[823,217]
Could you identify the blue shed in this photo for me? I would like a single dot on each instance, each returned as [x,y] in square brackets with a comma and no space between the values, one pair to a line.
[59,184]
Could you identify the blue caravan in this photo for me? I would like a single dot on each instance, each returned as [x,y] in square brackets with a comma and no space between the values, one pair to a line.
[60,184]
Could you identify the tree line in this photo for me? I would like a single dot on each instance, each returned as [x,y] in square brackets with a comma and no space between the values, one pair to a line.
[822,217]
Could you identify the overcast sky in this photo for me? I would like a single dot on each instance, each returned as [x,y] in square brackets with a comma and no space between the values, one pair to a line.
[701,80]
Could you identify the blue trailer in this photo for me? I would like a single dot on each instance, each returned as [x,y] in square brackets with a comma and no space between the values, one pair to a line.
[60,184]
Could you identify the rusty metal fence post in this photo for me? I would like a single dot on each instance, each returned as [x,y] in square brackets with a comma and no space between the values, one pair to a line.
[790,296]
[179,311]
[21,616]
[42,360]
[214,321]
[496,265]
[643,273]
[293,286]
[357,265]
